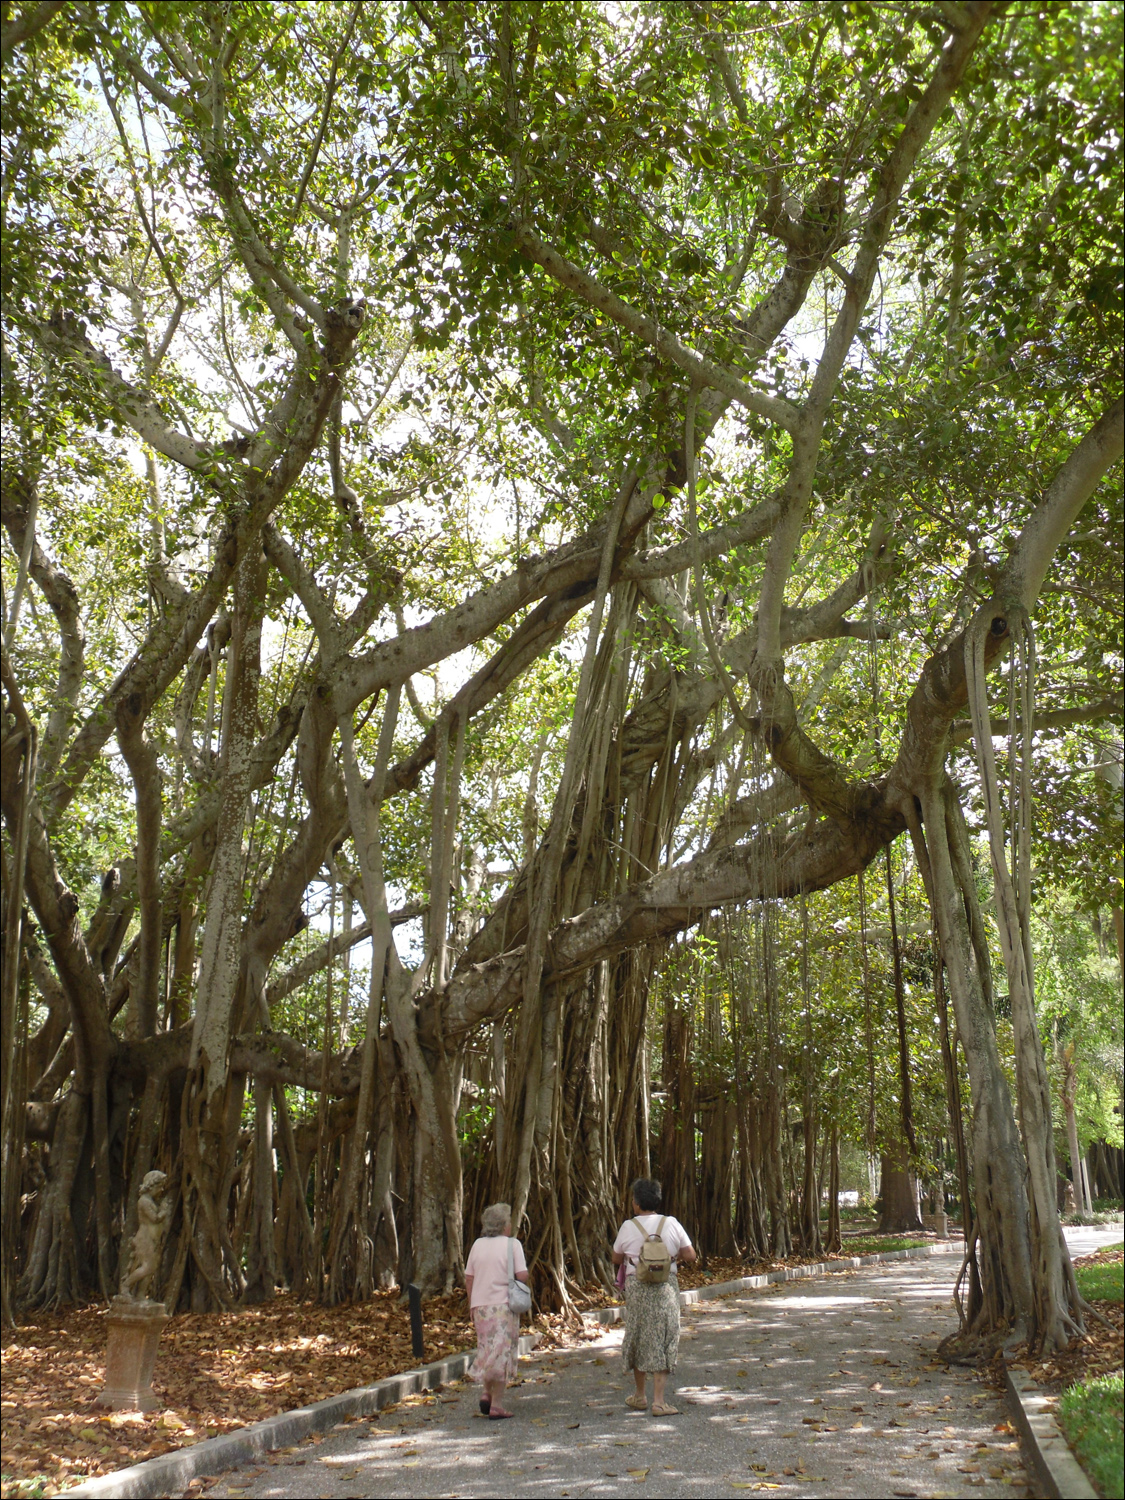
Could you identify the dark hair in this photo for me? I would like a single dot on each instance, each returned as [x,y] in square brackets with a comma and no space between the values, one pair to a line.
[647,1194]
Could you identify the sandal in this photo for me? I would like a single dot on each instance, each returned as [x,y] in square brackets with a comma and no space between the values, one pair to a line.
[666,1411]
[497,1414]
[638,1403]
[485,1406]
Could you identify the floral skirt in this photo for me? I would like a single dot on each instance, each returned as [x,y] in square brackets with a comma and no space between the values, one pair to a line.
[652,1325]
[498,1343]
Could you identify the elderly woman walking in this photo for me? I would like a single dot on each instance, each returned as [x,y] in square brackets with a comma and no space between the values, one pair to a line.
[494,1259]
[649,1245]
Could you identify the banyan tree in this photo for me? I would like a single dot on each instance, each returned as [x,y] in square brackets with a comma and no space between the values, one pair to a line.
[455,458]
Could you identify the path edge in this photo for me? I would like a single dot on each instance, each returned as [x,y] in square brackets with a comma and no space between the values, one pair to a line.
[1058,1474]
[171,1473]
[610,1315]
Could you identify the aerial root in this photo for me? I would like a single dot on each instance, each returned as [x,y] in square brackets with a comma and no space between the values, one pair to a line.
[1088,1311]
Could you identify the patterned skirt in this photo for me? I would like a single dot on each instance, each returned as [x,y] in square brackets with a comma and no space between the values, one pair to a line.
[652,1325]
[498,1343]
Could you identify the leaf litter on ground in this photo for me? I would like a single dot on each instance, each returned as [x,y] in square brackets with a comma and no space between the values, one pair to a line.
[1099,1352]
[215,1372]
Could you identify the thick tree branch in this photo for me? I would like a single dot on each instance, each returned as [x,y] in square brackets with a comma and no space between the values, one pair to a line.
[144,767]
[318,959]
[1055,718]
[701,369]
[1064,498]
[679,706]
[62,597]
[56,909]
[672,901]
[887,188]
[270,1055]
[168,646]
[662,562]
[65,339]
[942,691]
[304,585]
[26,25]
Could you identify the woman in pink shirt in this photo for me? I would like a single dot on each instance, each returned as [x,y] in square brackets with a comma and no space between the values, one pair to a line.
[498,1328]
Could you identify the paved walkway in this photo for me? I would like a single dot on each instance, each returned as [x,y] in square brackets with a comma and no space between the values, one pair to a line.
[818,1388]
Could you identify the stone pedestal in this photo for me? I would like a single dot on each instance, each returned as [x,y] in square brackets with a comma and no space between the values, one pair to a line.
[134,1332]
[938,1222]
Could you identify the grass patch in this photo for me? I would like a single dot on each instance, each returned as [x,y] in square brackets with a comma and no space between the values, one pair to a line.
[1091,1417]
[874,1244]
[1101,1283]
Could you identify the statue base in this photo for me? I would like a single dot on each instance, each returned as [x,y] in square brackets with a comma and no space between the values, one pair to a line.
[134,1333]
[938,1222]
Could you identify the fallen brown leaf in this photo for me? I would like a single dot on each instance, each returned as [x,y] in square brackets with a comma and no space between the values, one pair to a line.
[214,1373]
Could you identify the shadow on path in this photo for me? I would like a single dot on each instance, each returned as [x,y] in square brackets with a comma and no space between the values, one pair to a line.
[820,1388]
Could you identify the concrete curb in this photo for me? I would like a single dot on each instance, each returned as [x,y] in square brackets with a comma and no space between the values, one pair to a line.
[171,1473]
[1058,1474]
[608,1315]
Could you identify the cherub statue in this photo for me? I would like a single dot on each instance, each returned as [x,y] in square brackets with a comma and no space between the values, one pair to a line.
[153,1213]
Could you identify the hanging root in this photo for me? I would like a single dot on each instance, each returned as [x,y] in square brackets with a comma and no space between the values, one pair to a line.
[1056,1299]
[966,1347]
[966,1261]
[1088,1311]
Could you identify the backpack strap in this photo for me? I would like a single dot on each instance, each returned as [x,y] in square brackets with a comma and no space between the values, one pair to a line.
[641,1227]
[660,1226]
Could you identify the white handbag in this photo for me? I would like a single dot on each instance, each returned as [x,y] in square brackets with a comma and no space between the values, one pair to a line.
[519,1293]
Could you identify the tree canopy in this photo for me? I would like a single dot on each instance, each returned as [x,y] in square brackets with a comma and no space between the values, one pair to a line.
[519,513]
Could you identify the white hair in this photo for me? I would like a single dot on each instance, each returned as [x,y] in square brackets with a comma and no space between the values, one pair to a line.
[495,1219]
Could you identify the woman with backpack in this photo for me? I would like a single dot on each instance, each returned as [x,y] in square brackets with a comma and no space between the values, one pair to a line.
[648,1247]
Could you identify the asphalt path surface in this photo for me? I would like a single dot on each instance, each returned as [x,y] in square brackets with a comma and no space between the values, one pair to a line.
[824,1387]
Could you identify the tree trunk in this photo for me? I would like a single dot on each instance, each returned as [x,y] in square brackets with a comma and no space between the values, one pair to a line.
[434,1255]
[437,1256]
[208,1140]
[1082,1200]
[51,1275]
[898,1190]
[810,1187]
[1000,1200]
[677,1134]
[13,1024]
[293,1230]
[833,1241]
[1057,1314]
[751,1217]
[717,1136]
[1106,1170]
[781,1240]
[260,1245]
[593,1144]
[906,1093]
[350,1245]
